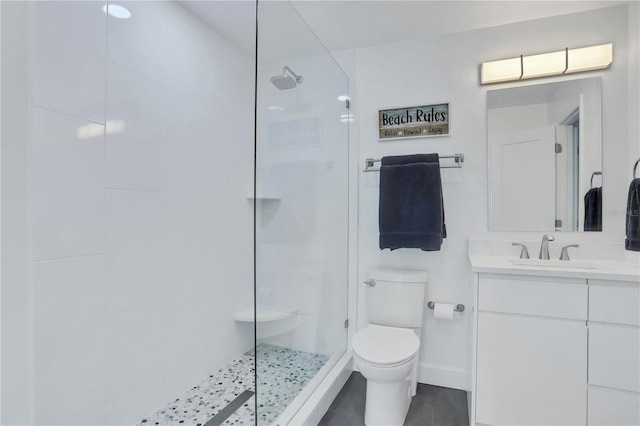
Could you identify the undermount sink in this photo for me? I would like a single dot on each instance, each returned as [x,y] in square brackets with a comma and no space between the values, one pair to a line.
[575,264]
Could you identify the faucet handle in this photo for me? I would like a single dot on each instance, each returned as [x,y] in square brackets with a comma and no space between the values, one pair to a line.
[524,254]
[564,254]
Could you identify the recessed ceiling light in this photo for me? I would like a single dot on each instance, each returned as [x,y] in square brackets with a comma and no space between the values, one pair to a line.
[116,11]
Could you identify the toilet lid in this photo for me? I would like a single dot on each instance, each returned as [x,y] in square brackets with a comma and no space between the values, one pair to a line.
[382,345]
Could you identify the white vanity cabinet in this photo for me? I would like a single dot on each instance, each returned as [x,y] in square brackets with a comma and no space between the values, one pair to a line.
[614,353]
[556,350]
[531,359]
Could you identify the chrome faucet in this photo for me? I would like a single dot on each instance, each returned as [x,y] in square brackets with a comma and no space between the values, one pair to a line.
[544,247]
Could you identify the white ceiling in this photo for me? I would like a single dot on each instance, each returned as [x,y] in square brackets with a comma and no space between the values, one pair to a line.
[349,24]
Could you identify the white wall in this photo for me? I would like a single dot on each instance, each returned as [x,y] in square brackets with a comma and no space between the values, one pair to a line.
[141,247]
[445,69]
[16,367]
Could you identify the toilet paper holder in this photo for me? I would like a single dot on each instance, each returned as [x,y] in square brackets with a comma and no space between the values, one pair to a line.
[458,308]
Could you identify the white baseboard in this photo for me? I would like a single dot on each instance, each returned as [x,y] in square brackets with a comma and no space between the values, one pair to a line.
[318,403]
[438,375]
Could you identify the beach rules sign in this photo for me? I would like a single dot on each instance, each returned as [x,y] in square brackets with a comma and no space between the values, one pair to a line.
[413,122]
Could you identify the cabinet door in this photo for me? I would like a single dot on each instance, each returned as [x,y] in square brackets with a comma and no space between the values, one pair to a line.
[614,354]
[531,370]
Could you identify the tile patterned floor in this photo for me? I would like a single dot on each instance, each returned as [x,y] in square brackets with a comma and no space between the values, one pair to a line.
[282,373]
[432,406]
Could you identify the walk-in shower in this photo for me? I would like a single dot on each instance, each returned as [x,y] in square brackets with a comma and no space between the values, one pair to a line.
[189,264]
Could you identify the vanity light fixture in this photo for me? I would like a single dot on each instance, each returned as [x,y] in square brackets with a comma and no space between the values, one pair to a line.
[547,64]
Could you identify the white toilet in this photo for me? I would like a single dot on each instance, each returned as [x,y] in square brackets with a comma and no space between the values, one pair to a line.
[386,351]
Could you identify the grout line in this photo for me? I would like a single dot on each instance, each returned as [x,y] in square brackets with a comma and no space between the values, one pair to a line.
[66,114]
[147,191]
[78,256]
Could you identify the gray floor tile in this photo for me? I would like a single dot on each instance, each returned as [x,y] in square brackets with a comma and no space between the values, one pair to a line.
[351,398]
[422,407]
[432,406]
[333,418]
[451,408]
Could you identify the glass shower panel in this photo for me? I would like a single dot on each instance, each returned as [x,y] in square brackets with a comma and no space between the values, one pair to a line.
[301,202]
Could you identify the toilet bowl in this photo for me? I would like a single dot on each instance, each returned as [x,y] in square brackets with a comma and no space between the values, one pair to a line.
[387,350]
[386,357]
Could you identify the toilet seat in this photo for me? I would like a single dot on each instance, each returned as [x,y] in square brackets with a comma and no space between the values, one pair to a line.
[385,346]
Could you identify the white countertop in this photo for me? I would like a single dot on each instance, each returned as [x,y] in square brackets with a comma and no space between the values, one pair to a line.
[606,270]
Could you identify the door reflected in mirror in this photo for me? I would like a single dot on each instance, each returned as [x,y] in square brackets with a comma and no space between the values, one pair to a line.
[545,157]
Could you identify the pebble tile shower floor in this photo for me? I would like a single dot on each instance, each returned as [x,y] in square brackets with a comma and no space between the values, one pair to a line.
[282,374]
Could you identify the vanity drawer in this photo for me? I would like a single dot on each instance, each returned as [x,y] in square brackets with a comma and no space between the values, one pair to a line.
[614,351]
[541,296]
[614,302]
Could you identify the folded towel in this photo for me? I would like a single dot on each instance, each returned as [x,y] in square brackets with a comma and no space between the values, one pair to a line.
[397,160]
[632,242]
[411,213]
[593,210]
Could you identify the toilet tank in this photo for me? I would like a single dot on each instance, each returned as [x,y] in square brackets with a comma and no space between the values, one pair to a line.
[397,298]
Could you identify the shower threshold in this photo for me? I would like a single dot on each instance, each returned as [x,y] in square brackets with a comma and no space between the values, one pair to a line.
[227,396]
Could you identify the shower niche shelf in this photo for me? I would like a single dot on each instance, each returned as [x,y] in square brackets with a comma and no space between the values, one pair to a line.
[271,323]
[266,196]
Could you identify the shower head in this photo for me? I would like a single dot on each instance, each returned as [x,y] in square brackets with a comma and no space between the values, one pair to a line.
[287,80]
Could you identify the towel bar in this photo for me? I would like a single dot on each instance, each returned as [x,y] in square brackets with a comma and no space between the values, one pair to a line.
[458,158]
[592,175]
[458,308]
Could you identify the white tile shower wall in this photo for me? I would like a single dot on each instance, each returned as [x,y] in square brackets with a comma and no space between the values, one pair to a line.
[445,69]
[16,371]
[67,183]
[141,155]
[70,58]
[69,340]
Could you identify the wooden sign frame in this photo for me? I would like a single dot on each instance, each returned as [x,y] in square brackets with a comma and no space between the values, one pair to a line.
[414,122]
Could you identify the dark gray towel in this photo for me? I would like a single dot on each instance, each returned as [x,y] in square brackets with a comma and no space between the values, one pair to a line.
[632,242]
[411,213]
[593,210]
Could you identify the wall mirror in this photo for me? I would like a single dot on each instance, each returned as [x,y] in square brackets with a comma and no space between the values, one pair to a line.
[545,157]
